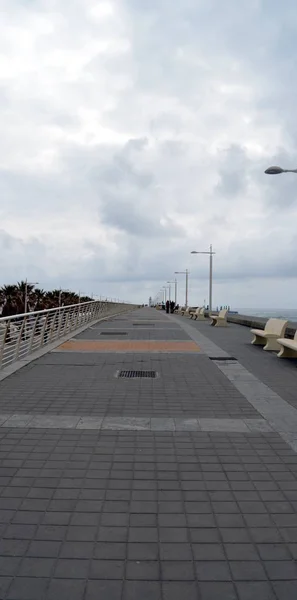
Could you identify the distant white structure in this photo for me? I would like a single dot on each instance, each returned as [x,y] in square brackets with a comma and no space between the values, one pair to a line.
[150,301]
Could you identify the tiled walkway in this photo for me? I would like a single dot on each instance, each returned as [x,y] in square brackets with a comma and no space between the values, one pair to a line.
[179,486]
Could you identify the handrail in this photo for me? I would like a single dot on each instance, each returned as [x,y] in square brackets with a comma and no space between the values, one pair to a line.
[23,334]
[46,310]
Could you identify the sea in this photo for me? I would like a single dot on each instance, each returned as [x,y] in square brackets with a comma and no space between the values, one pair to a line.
[290,314]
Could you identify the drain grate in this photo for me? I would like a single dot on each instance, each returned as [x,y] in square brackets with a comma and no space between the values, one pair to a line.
[113,333]
[222,358]
[137,374]
[143,325]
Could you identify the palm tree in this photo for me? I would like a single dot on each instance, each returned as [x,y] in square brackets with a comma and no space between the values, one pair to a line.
[15,295]
[39,299]
[8,291]
[21,288]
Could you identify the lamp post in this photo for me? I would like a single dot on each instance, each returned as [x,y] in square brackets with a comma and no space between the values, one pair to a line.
[169,290]
[186,273]
[165,293]
[60,296]
[278,171]
[167,287]
[26,292]
[175,290]
[210,253]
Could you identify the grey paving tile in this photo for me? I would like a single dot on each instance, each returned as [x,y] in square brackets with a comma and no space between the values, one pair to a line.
[32,566]
[82,550]
[71,568]
[250,590]
[68,589]
[210,590]
[143,551]
[147,590]
[107,569]
[177,571]
[110,550]
[281,570]
[5,583]
[285,590]
[180,589]
[142,570]
[211,552]
[111,590]
[27,588]
[213,571]
[247,570]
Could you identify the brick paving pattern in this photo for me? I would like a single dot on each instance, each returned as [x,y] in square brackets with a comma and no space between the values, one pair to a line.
[127,346]
[150,515]
[78,383]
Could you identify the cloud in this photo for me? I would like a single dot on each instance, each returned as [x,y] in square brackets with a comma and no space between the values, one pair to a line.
[133,133]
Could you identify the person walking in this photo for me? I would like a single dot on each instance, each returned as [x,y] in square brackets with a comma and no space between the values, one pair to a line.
[167,306]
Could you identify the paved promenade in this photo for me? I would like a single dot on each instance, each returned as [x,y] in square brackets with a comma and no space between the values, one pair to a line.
[150,458]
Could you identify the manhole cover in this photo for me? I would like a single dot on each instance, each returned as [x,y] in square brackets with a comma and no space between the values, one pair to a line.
[113,333]
[137,374]
[222,358]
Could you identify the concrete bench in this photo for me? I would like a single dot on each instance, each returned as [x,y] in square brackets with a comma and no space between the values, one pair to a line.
[219,320]
[194,313]
[288,347]
[199,316]
[185,311]
[180,310]
[268,338]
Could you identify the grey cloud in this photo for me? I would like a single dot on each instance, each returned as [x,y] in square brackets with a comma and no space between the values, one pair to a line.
[232,170]
[176,171]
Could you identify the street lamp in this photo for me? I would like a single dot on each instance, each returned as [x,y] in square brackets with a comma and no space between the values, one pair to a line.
[60,296]
[210,253]
[165,293]
[278,171]
[167,287]
[175,290]
[26,292]
[186,273]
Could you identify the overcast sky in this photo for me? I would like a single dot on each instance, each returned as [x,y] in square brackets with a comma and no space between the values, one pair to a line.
[134,131]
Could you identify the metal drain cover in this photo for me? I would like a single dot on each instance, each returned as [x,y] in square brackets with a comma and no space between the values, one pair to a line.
[113,333]
[137,374]
[143,324]
[222,358]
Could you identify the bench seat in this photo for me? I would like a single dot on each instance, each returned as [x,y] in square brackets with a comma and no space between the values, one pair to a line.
[219,320]
[268,338]
[288,347]
[199,316]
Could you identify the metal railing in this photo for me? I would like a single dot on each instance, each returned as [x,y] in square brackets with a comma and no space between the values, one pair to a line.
[21,335]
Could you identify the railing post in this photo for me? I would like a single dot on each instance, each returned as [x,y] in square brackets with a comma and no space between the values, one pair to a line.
[66,324]
[18,344]
[77,318]
[43,331]
[60,322]
[52,327]
[3,341]
[33,333]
